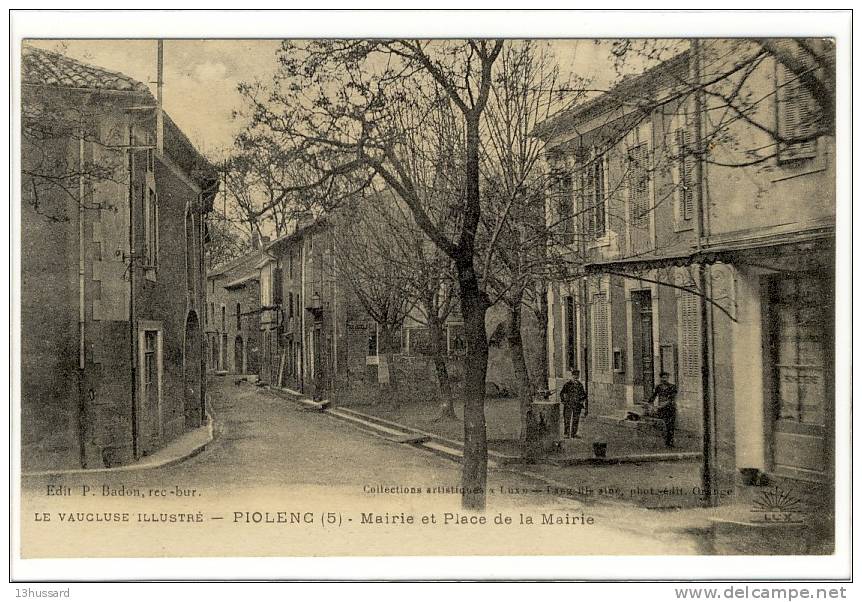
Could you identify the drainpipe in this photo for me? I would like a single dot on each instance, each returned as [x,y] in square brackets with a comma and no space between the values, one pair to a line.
[132,257]
[708,410]
[82,457]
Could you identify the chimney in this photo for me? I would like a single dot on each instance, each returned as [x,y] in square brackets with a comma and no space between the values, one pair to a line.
[264,240]
[255,240]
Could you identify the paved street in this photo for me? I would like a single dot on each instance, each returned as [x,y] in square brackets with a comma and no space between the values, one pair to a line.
[272,456]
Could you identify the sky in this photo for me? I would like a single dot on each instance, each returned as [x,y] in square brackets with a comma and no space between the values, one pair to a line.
[201,76]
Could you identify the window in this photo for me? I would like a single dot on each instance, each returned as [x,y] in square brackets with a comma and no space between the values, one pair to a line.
[561,194]
[417,340]
[800,343]
[211,312]
[372,344]
[289,305]
[277,285]
[151,378]
[457,341]
[797,116]
[600,332]
[619,360]
[571,334]
[223,329]
[151,227]
[684,175]
[593,197]
[638,181]
[238,317]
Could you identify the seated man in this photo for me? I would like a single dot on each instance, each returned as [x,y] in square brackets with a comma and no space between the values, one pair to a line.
[664,400]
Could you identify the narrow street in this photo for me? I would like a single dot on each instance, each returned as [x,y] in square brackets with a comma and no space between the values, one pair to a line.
[271,456]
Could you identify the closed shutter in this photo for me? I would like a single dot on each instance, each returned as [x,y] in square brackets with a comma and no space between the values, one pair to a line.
[599,199]
[797,116]
[689,312]
[638,179]
[600,333]
[685,175]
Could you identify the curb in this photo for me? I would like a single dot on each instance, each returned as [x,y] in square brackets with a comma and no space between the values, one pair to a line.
[141,464]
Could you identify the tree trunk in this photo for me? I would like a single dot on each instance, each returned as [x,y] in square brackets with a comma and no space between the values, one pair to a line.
[474,304]
[475,469]
[519,366]
[438,350]
[542,316]
[388,346]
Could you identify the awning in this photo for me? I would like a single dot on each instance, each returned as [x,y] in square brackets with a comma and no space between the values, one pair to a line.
[807,250]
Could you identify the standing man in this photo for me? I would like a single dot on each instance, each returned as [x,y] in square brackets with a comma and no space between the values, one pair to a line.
[573,397]
[664,398]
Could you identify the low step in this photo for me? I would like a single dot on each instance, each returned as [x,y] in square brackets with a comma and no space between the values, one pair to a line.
[412,439]
[377,427]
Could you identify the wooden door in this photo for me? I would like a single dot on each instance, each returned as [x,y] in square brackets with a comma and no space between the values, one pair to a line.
[642,341]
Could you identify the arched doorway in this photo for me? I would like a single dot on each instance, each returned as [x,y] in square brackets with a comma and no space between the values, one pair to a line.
[238,355]
[192,403]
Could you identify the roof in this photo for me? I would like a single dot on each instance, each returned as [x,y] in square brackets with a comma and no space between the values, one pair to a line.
[241,282]
[43,67]
[631,88]
[282,241]
[248,262]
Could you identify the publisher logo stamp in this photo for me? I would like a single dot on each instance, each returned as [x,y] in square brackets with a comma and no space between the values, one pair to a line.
[776,506]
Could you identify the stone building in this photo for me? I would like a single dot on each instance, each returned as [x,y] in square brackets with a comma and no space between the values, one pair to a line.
[640,215]
[232,322]
[114,198]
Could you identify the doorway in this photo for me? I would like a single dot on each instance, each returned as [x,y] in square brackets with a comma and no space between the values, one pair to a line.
[800,307]
[192,402]
[642,341]
[238,355]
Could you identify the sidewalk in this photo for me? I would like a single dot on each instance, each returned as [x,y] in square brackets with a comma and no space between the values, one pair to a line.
[503,427]
[658,495]
[186,446]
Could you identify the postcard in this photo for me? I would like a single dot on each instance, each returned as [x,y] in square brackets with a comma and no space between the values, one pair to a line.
[420,297]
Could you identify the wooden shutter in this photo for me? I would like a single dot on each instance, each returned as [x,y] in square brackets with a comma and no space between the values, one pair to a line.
[638,177]
[689,316]
[685,175]
[797,112]
[600,333]
[599,199]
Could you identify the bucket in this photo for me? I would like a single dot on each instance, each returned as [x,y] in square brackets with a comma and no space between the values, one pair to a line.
[600,449]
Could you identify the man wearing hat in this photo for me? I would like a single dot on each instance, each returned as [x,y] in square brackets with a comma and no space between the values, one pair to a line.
[664,398]
[573,397]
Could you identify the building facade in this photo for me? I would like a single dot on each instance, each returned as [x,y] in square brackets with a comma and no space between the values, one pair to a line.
[114,197]
[233,315]
[706,264]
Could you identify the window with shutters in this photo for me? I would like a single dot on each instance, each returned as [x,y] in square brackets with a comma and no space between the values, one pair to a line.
[684,175]
[797,117]
[638,185]
[600,333]
[561,193]
[151,228]
[689,317]
[593,198]
[571,334]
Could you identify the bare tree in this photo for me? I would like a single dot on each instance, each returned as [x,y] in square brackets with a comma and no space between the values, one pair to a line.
[358,107]
[368,259]
[514,237]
